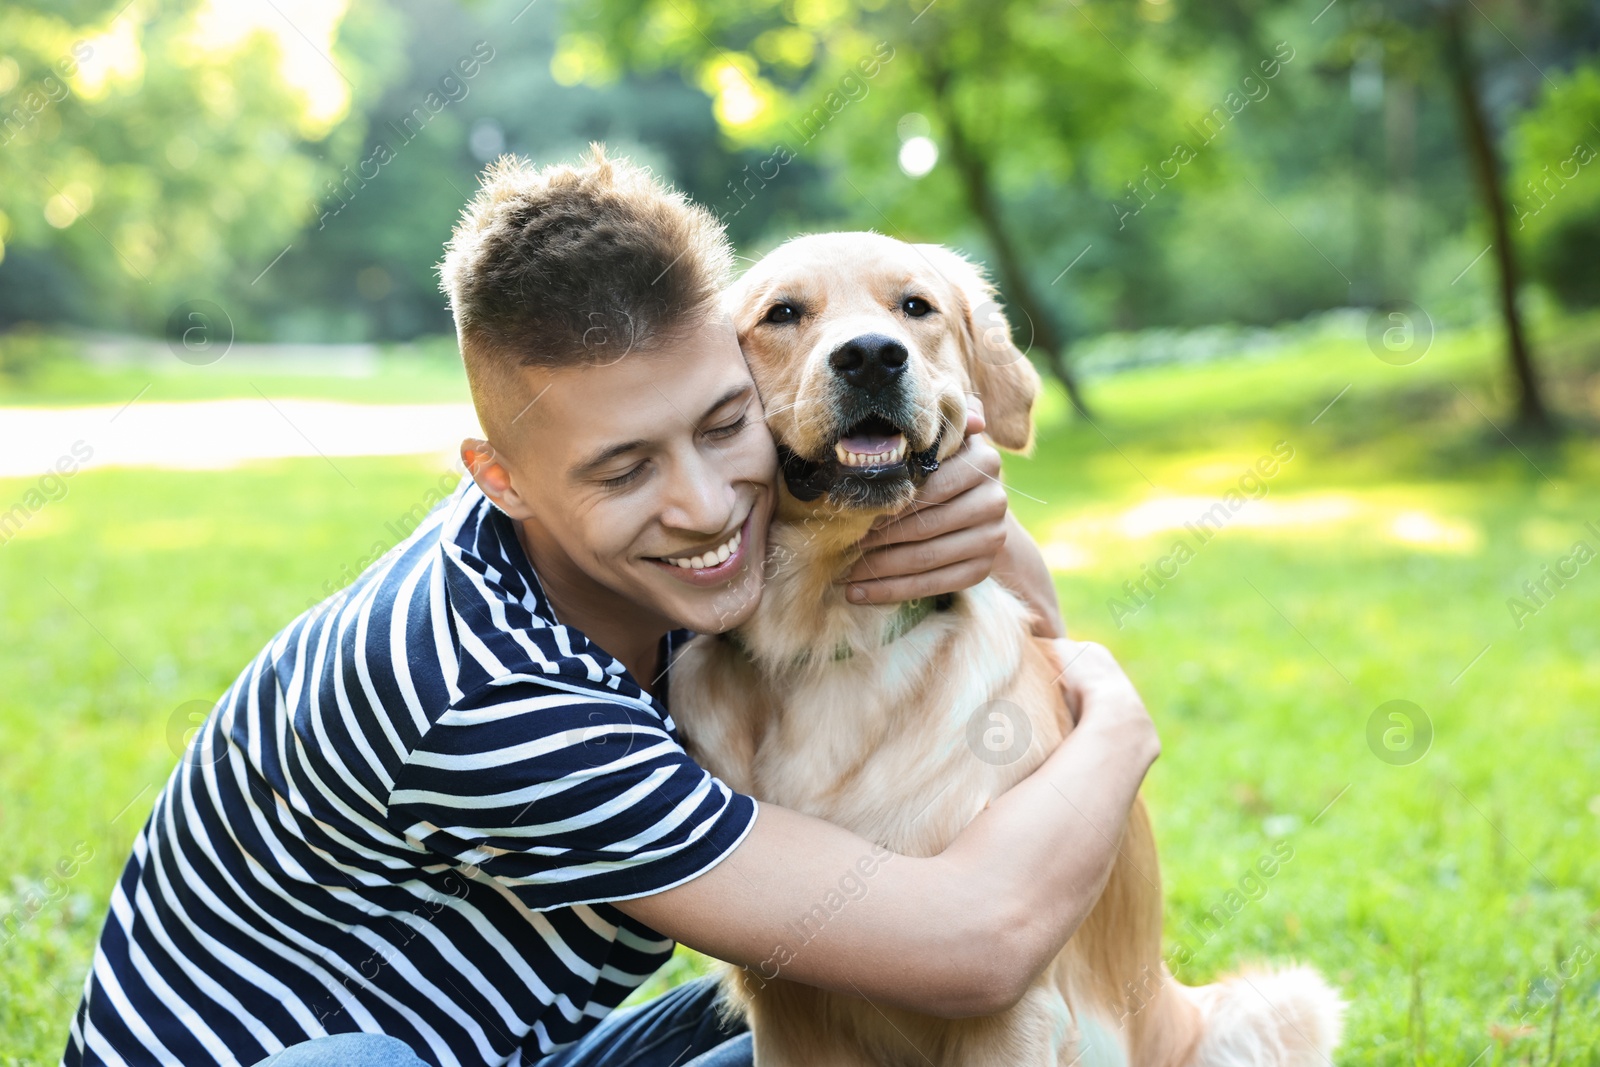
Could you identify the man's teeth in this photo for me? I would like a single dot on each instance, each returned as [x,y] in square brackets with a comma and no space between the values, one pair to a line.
[848,458]
[708,559]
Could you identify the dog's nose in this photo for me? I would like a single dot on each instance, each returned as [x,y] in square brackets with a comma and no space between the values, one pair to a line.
[869,362]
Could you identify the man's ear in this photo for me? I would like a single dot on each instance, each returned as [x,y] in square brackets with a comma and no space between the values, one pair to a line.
[998,370]
[483,463]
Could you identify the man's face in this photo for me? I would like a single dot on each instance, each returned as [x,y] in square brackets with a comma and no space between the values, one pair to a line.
[646,484]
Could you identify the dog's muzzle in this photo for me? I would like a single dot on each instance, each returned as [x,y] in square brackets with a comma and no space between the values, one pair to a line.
[809,479]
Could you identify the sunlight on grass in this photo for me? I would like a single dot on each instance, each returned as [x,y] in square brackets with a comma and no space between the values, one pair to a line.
[1079,538]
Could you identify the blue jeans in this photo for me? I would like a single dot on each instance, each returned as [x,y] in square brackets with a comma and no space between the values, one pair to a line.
[680,1028]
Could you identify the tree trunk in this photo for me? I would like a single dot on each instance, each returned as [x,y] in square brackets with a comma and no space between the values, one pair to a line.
[1532,414]
[978,186]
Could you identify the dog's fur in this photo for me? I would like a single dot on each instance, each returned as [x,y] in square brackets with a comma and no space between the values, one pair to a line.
[876,738]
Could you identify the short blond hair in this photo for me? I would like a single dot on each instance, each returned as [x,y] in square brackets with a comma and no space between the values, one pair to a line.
[577,264]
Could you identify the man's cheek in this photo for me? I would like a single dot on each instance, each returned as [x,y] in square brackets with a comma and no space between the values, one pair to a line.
[757,458]
[614,533]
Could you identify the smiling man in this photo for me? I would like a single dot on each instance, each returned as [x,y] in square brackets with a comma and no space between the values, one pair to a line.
[445,816]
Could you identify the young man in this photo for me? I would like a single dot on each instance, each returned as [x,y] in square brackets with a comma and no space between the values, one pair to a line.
[445,814]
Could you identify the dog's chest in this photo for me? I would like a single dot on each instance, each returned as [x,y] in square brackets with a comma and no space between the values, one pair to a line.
[883,747]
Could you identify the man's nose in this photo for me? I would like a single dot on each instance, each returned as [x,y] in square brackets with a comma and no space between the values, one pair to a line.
[704,500]
[870,362]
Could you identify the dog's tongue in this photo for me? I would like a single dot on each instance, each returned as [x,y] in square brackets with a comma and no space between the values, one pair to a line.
[870,444]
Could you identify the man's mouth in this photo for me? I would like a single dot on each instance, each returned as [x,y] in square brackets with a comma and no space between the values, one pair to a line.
[872,452]
[714,565]
[709,558]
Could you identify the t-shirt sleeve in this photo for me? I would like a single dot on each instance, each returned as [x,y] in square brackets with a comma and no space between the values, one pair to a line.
[565,798]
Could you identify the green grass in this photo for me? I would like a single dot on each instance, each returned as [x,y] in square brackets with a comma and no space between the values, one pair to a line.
[1445,895]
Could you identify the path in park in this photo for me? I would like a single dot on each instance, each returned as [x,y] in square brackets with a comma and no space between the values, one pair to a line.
[218,434]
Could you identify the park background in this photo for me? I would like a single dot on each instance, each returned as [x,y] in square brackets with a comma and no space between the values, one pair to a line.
[1363,235]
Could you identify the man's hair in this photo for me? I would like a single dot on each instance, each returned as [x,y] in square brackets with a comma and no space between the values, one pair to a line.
[570,265]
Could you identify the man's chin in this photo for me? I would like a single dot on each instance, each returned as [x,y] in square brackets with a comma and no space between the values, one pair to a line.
[715,611]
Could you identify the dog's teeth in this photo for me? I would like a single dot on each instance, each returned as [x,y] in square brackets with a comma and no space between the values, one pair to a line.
[886,458]
[723,553]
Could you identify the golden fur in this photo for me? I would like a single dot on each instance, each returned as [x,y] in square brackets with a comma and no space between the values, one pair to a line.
[877,739]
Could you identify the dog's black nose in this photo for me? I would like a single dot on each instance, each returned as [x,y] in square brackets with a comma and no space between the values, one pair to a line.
[869,362]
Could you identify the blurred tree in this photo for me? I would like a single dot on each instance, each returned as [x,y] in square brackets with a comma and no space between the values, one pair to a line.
[1466,82]
[1026,100]
[1464,43]
[364,265]
[156,153]
[1120,164]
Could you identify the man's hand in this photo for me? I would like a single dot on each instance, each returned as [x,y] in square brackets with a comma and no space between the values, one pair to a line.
[952,536]
[957,533]
[1101,697]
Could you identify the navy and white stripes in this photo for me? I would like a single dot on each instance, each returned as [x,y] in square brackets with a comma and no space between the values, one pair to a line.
[406,816]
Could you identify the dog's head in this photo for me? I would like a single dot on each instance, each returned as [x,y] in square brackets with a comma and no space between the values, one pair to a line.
[864,349]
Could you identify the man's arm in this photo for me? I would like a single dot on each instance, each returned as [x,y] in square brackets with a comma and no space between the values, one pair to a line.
[1020,567]
[961,933]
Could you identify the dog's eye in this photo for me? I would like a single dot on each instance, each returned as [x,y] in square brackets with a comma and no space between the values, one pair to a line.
[915,306]
[780,313]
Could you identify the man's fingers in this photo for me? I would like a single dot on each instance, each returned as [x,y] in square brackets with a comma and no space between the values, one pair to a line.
[983,505]
[910,558]
[976,462]
[949,539]
[964,494]
[976,423]
[930,583]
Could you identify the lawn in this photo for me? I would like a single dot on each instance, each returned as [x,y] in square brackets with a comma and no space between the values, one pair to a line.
[1443,868]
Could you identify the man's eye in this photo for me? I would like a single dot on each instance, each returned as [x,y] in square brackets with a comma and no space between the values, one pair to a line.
[729,429]
[915,306]
[622,479]
[781,313]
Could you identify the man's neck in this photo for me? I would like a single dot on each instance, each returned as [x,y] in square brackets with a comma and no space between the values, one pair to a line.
[615,624]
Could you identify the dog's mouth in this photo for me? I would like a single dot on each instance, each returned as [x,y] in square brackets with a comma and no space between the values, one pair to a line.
[871,459]
[873,444]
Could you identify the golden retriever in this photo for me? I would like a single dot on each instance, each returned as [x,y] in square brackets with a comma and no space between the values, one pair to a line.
[864,350]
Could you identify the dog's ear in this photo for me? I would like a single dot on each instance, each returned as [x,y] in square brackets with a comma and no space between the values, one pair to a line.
[999,372]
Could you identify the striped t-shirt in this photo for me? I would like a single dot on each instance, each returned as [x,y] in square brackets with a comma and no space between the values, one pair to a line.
[407,817]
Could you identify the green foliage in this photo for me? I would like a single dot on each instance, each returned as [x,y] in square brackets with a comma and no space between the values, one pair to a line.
[1190,164]
[1048,109]
[151,159]
[1116,165]
[365,263]
[1556,186]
